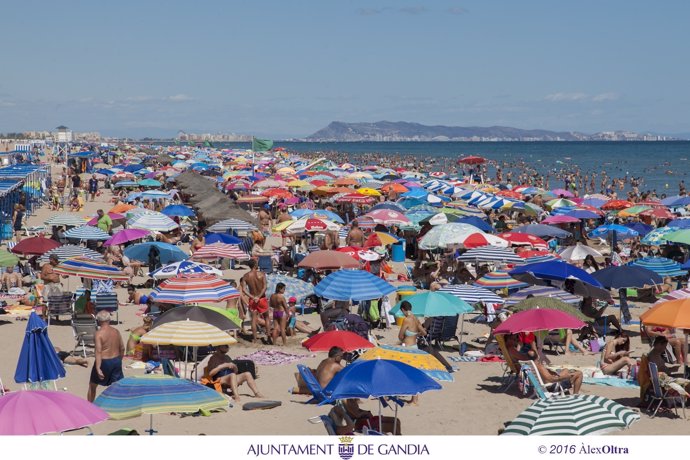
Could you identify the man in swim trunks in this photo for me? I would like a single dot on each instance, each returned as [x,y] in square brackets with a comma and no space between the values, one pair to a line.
[221,367]
[11,279]
[253,293]
[279,305]
[107,369]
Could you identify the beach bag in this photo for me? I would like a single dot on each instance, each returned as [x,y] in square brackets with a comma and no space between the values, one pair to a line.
[374,314]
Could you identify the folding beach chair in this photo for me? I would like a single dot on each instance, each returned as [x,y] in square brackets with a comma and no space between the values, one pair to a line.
[443,329]
[328,423]
[312,384]
[59,305]
[109,303]
[660,395]
[84,327]
[541,390]
[511,370]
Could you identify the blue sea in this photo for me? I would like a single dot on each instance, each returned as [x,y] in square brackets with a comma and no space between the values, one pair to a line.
[662,164]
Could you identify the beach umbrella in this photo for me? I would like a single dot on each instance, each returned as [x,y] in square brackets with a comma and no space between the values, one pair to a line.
[352,285]
[499,279]
[675,295]
[613,205]
[621,231]
[435,303]
[542,231]
[220,251]
[328,260]
[578,252]
[115,217]
[641,228]
[380,239]
[348,341]
[35,246]
[542,291]
[126,235]
[538,319]
[524,239]
[310,224]
[658,236]
[157,394]
[184,267]
[294,287]
[231,224]
[8,259]
[574,415]
[226,238]
[355,198]
[552,303]
[69,251]
[90,269]
[168,252]
[472,160]
[149,183]
[626,276]
[670,314]
[678,236]
[582,214]
[560,219]
[179,330]
[317,214]
[559,203]
[442,236]
[480,223]
[67,220]
[633,211]
[388,205]
[660,265]
[419,359]
[479,240]
[121,208]
[86,232]
[658,213]
[490,254]
[36,412]
[154,221]
[178,210]
[472,294]
[388,217]
[38,361]
[554,270]
[194,288]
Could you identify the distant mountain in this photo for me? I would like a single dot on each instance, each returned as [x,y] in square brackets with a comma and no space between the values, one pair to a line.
[404,131]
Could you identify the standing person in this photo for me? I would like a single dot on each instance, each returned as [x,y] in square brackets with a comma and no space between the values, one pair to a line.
[76,183]
[51,280]
[17,223]
[93,187]
[107,369]
[265,221]
[105,223]
[410,327]
[355,237]
[279,306]
[253,292]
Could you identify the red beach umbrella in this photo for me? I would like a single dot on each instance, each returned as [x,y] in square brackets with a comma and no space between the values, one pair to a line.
[348,341]
[35,246]
[538,319]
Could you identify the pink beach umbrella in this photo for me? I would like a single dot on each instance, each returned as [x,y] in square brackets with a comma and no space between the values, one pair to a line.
[126,235]
[113,216]
[35,412]
[538,319]
[560,219]
[562,192]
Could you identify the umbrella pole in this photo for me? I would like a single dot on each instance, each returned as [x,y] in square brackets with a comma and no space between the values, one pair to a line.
[380,417]
[395,421]
[151,431]
[462,335]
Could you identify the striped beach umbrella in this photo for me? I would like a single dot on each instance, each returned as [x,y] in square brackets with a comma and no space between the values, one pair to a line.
[294,287]
[442,236]
[657,237]
[187,333]
[91,269]
[574,415]
[69,251]
[499,279]
[660,265]
[157,394]
[184,267]
[86,232]
[472,294]
[194,288]
[220,251]
[154,221]
[231,224]
[675,295]
[68,220]
[353,285]
[490,254]
[542,291]
[416,358]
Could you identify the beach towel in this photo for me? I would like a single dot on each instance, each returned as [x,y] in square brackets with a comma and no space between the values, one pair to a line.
[273,357]
[463,359]
[611,382]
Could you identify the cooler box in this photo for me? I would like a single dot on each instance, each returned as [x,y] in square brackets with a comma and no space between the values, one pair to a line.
[406,291]
[6,232]
[398,252]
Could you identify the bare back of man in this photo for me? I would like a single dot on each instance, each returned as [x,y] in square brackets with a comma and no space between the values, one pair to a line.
[355,237]
[110,349]
[326,371]
[253,285]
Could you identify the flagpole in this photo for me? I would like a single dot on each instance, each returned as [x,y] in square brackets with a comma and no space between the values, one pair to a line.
[253,160]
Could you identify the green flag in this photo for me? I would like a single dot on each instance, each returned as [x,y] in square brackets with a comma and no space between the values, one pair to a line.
[208,144]
[261,145]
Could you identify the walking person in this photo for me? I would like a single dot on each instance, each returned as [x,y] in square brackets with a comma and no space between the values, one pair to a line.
[93,187]
[107,369]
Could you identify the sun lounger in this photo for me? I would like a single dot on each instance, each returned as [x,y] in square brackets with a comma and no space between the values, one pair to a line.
[662,395]
[312,384]
[328,423]
[543,391]
[511,371]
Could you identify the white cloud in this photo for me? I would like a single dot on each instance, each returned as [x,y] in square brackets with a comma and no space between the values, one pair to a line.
[179,98]
[7,103]
[605,97]
[457,10]
[560,97]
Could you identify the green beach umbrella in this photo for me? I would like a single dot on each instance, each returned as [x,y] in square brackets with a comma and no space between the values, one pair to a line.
[432,304]
[560,203]
[149,183]
[7,259]
[679,236]
[231,313]
[552,303]
[575,415]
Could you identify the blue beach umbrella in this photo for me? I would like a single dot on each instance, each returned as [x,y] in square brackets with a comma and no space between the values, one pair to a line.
[660,265]
[542,230]
[621,231]
[680,201]
[178,210]
[378,378]
[542,273]
[318,214]
[38,361]
[641,228]
[582,214]
[353,285]
[472,294]
[149,183]
[184,267]
[481,224]
[656,237]
[388,205]
[294,287]
[432,304]
[679,224]
[168,252]
[627,276]
[225,238]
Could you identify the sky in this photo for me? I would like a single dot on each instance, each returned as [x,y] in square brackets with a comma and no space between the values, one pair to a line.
[287,68]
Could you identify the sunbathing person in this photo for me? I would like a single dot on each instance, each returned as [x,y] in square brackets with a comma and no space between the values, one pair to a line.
[329,366]
[588,309]
[350,418]
[656,356]
[677,344]
[221,370]
[548,376]
[135,348]
[615,357]
[69,358]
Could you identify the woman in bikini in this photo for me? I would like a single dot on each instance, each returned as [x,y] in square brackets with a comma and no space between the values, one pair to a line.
[615,357]
[410,327]
[279,305]
[135,348]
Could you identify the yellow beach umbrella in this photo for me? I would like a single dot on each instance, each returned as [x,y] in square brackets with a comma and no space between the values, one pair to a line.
[286,171]
[368,191]
[283,225]
[386,238]
[188,334]
[416,358]
[297,183]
